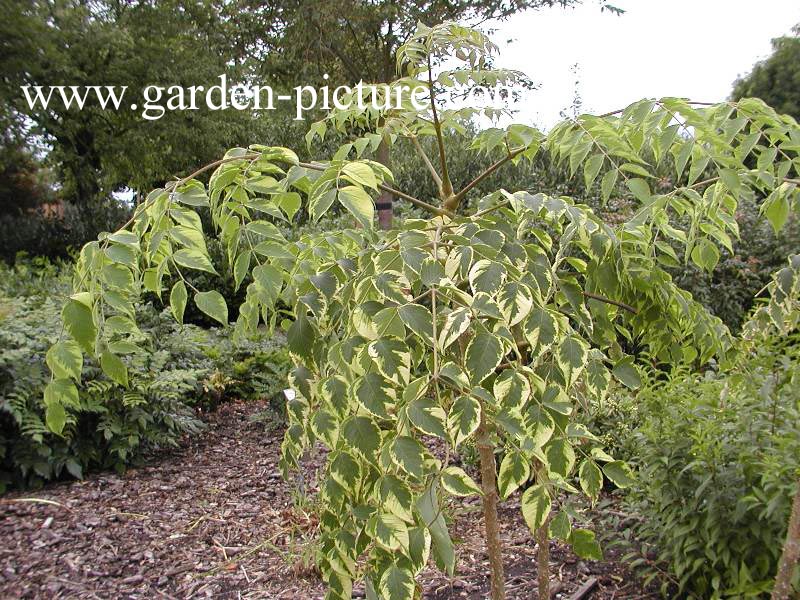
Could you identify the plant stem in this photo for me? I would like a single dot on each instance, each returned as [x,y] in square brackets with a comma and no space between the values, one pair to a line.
[791,553]
[491,169]
[490,496]
[543,560]
[418,147]
[447,187]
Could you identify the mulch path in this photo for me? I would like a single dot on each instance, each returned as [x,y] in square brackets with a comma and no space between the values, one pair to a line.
[214,519]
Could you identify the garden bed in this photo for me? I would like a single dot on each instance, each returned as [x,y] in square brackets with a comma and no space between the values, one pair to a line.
[215,519]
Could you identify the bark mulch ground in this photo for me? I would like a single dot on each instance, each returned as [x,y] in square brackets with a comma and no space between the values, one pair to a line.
[214,519]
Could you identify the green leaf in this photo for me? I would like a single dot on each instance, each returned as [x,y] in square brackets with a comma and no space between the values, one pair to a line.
[464,418]
[61,391]
[514,471]
[345,471]
[409,455]
[458,483]
[419,320]
[625,371]
[319,204]
[431,272]
[241,267]
[591,168]
[607,184]
[397,584]
[288,202]
[619,473]
[571,357]
[389,324]
[122,254]
[177,300]
[560,526]
[79,323]
[456,323]
[535,506]
[268,279]
[65,360]
[640,189]
[359,203]
[483,356]
[585,545]
[393,359]
[511,389]
[193,194]
[363,435]
[213,304]
[361,174]
[428,506]
[58,394]
[125,237]
[541,329]
[396,497]
[193,259]
[390,532]
[776,209]
[428,417]
[515,301]
[591,478]
[55,417]
[560,457]
[301,335]
[376,394]
[114,368]
[487,276]
[705,254]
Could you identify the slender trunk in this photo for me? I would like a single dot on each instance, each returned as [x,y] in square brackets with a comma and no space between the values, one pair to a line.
[384,155]
[385,199]
[543,560]
[791,553]
[490,496]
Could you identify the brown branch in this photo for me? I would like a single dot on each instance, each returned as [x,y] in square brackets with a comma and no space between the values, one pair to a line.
[600,298]
[512,154]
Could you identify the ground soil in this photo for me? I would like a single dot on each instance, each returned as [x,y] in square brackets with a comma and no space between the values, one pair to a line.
[214,519]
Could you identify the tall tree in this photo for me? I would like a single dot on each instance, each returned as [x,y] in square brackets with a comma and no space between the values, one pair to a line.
[121,43]
[776,80]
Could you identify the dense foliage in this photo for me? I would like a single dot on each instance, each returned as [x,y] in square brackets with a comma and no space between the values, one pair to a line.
[776,80]
[718,455]
[717,459]
[185,369]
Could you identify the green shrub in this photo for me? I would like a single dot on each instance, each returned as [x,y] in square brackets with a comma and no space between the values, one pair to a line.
[718,457]
[39,234]
[729,291]
[113,425]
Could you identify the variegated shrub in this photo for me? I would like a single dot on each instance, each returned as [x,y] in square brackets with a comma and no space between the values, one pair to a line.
[491,325]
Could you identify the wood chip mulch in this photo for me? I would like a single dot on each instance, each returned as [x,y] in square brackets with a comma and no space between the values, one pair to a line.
[214,519]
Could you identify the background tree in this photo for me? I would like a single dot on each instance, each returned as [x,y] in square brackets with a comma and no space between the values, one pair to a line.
[352,40]
[776,80]
[69,42]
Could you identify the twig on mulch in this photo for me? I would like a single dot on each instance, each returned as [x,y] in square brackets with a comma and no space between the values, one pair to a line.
[584,590]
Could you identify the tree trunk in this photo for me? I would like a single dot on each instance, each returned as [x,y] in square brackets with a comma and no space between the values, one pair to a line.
[490,496]
[385,199]
[791,553]
[543,560]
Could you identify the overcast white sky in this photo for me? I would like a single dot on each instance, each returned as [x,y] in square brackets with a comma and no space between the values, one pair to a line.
[689,48]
